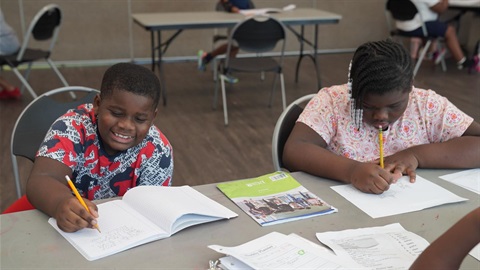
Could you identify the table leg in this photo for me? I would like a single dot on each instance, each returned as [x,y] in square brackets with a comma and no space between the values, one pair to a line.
[161,76]
[313,56]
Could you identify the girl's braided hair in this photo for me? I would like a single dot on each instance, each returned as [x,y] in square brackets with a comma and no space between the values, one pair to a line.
[377,68]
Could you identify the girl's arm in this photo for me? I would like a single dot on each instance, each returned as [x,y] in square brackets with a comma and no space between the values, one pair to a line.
[449,250]
[457,153]
[306,151]
[440,7]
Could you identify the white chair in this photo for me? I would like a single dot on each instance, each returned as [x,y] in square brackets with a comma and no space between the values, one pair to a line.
[35,120]
[43,28]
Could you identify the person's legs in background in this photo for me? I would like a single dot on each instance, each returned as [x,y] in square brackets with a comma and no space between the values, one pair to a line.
[204,58]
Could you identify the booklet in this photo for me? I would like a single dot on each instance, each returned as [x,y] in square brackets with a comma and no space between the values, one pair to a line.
[262,11]
[144,214]
[275,198]
[279,251]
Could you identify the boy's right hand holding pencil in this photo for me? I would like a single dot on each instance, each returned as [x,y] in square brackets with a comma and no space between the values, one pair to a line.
[75,213]
[71,216]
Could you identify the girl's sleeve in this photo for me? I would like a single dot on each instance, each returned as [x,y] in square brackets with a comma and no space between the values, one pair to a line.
[444,121]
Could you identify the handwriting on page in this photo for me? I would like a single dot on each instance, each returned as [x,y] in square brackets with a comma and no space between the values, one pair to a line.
[113,238]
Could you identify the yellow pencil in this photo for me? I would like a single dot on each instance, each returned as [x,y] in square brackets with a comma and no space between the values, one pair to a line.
[380,142]
[80,199]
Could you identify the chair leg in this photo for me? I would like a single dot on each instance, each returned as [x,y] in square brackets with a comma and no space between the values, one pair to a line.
[60,76]
[282,85]
[273,89]
[16,176]
[224,99]
[24,82]
[422,55]
[215,94]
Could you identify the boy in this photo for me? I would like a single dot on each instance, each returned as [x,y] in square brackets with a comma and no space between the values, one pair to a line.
[105,148]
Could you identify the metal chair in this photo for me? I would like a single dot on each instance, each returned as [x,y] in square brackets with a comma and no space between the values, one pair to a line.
[43,28]
[405,10]
[284,127]
[221,36]
[258,34]
[35,120]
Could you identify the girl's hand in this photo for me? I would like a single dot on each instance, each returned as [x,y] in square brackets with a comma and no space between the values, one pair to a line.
[371,178]
[71,216]
[404,163]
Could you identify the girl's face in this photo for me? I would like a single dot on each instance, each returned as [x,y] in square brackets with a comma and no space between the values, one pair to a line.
[383,110]
[124,119]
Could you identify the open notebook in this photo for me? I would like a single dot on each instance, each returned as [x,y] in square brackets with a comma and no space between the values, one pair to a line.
[145,214]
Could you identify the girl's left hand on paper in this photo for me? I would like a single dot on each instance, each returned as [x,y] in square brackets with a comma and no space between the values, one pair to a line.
[71,216]
[402,163]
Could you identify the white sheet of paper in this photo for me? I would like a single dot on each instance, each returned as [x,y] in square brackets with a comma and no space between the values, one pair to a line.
[388,247]
[279,251]
[469,179]
[475,252]
[402,197]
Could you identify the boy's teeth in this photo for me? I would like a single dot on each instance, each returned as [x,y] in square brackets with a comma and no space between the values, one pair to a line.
[122,136]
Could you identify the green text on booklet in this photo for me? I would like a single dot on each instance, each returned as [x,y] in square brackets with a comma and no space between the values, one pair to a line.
[144,214]
[275,198]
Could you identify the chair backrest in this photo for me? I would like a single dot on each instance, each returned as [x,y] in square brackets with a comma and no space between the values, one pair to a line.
[43,27]
[402,10]
[258,34]
[35,120]
[284,127]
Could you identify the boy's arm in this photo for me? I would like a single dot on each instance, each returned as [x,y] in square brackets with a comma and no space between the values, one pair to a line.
[229,6]
[449,250]
[306,151]
[48,191]
[440,7]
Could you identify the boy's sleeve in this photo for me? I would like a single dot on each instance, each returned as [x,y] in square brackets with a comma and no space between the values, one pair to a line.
[60,140]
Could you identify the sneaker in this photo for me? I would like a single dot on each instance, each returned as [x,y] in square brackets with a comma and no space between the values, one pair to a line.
[469,64]
[201,63]
[231,79]
[476,63]
[439,55]
[14,94]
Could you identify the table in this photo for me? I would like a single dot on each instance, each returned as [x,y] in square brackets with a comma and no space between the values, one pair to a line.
[158,22]
[28,241]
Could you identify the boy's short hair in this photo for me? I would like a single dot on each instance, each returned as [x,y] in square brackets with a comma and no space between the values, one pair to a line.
[132,78]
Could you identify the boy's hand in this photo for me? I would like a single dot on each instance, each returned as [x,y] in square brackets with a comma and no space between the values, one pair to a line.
[371,178]
[71,216]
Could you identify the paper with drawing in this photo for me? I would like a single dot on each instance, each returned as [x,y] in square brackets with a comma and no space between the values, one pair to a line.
[401,197]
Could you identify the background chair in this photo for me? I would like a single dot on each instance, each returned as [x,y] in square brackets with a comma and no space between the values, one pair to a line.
[221,36]
[44,27]
[35,120]
[405,10]
[257,35]
[284,127]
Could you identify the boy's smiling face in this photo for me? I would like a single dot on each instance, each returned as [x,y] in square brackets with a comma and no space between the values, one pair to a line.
[123,119]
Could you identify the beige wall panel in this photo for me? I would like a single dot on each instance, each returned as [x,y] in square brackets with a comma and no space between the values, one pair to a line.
[102,29]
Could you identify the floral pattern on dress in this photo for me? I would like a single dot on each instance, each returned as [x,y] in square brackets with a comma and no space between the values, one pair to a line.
[428,118]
